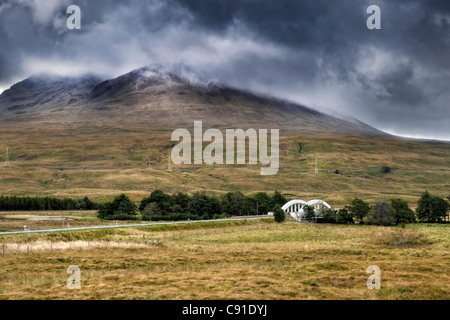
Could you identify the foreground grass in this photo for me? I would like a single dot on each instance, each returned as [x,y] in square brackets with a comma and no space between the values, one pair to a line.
[263,261]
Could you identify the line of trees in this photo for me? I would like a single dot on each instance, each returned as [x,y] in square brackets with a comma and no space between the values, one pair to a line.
[181,206]
[13,203]
[429,209]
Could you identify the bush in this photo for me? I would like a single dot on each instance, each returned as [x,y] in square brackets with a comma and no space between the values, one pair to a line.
[386,169]
[278,214]
[381,214]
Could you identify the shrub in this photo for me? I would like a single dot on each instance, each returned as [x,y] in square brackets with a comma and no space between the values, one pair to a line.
[386,169]
[278,214]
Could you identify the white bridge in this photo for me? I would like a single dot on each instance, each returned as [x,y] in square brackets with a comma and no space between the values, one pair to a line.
[295,207]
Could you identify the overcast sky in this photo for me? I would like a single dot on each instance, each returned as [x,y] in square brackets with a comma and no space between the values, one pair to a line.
[317,53]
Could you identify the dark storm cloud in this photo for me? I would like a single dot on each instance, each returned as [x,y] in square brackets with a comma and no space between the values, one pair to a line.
[318,53]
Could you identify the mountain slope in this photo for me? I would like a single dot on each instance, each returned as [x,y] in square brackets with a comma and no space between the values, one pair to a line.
[166,100]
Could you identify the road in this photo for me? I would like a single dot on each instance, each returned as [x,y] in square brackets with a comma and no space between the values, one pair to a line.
[132,225]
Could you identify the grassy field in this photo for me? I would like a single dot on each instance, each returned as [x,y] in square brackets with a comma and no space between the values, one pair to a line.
[232,260]
[102,162]
[16,220]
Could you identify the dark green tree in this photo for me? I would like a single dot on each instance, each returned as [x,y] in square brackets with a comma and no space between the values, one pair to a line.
[344,216]
[309,213]
[278,214]
[121,208]
[233,203]
[278,198]
[204,206]
[424,210]
[180,203]
[359,209]
[163,200]
[402,212]
[263,202]
[439,208]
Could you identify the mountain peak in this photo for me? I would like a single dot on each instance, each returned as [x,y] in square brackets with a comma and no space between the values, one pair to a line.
[165,99]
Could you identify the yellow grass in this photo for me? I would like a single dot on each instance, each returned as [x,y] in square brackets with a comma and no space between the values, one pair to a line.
[251,261]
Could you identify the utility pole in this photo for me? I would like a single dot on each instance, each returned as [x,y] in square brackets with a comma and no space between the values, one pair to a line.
[257,212]
[316,169]
[169,168]
[7,158]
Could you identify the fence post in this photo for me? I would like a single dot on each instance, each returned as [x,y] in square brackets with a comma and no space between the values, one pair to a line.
[3,250]
[28,249]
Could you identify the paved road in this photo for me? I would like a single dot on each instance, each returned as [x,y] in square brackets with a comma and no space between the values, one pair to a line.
[132,225]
